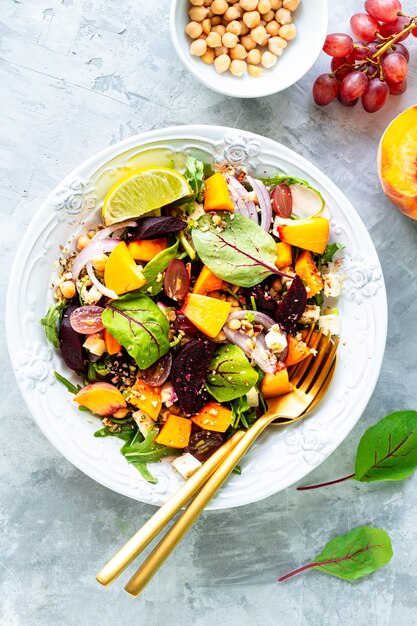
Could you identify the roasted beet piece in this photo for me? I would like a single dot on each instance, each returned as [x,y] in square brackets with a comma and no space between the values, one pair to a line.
[184,324]
[292,306]
[189,371]
[264,301]
[203,444]
[70,342]
[153,227]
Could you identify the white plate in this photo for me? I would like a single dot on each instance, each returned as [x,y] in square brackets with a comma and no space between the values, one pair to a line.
[280,457]
[299,56]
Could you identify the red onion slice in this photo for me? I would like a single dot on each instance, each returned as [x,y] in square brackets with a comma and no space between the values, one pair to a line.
[259,318]
[263,357]
[115,228]
[89,252]
[264,201]
[109,293]
[244,206]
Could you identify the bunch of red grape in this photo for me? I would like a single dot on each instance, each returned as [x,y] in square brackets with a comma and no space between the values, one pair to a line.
[373,67]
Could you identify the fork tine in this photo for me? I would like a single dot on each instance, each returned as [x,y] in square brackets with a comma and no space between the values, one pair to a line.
[324,370]
[305,364]
[311,373]
[295,368]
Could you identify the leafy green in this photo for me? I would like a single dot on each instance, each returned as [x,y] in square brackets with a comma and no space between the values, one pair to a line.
[140,452]
[278,179]
[358,553]
[242,414]
[230,374]
[139,325]
[331,250]
[51,321]
[155,267]
[67,383]
[126,433]
[194,173]
[241,253]
[388,450]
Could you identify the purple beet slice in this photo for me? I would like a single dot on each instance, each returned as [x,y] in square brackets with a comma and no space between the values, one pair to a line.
[203,444]
[153,227]
[189,371]
[70,342]
[292,306]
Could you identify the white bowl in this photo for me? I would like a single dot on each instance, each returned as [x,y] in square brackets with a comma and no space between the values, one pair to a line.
[281,456]
[301,53]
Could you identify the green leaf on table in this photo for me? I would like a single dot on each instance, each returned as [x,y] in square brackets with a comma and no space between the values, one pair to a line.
[139,325]
[51,322]
[358,553]
[241,252]
[388,450]
[230,374]
[331,250]
[194,174]
[155,268]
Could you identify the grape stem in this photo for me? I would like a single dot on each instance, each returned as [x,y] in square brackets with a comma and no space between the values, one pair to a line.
[393,40]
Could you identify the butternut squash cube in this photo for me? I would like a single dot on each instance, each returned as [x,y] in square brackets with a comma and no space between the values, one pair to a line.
[213,416]
[309,233]
[209,315]
[307,270]
[216,194]
[175,433]
[121,273]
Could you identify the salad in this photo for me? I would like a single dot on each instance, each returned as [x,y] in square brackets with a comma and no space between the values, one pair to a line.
[183,308]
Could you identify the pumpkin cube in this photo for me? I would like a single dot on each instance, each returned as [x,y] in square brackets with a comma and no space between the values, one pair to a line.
[147,249]
[121,273]
[146,398]
[309,233]
[307,270]
[207,282]
[209,315]
[216,194]
[273,385]
[175,433]
[213,416]
[284,255]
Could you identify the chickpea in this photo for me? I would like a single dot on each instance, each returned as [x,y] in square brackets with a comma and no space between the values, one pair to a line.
[210,14]
[238,52]
[206,26]
[82,242]
[245,29]
[219,7]
[248,42]
[248,5]
[197,3]
[221,50]
[238,68]
[263,6]
[232,13]
[268,59]
[283,16]
[255,71]
[254,57]
[194,30]
[216,20]
[233,1]
[291,5]
[99,262]
[277,43]
[272,28]
[276,4]
[198,14]
[213,40]
[91,233]
[234,27]
[259,35]
[67,289]
[209,56]
[222,63]
[252,19]
[220,29]
[288,32]
[198,47]
[207,3]
[229,40]
[268,17]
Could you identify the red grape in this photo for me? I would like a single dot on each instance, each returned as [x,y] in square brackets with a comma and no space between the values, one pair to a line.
[401,49]
[364,26]
[393,28]
[184,324]
[158,373]
[338,45]
[395,68]
[373,47]
[414,32]
[347,103]
[375,96]
[87,319]
[202,444]
[383,10]
[353,85]
[359,53]
[325,89]
[336,62]
[177,280]
[281,200]
[396,89]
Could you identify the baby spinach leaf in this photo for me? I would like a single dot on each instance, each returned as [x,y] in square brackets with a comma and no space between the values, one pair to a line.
[139,325]
[154,283]
[388,450]
[51,322]
[331,250]
[358,553]
[194,173]
[230,374]
[241,252]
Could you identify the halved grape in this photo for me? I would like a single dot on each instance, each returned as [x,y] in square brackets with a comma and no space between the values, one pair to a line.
[364,26]
[177,280]
[383,10]
[353,85]
[325,89]
[203,444]
[158,373]
[281,200]
[86,320]
[338,45]
[395,68]
[393,28]
[375,96]
[397,89]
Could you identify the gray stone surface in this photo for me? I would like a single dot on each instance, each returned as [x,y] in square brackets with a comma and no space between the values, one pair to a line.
[76,76]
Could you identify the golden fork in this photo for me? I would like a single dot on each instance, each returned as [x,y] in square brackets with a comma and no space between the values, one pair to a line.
[309,385]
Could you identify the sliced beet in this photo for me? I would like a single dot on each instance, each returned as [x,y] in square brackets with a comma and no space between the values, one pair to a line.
[264,301]
[189,371]
[70,342]
[184,324]
[292,306]
[153,227]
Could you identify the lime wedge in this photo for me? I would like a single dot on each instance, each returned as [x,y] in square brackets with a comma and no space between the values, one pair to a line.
[142,191]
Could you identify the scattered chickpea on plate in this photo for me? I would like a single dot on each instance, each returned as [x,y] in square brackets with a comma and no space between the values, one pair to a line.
[240,35]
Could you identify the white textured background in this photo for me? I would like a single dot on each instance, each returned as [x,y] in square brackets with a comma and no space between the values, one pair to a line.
[77,76]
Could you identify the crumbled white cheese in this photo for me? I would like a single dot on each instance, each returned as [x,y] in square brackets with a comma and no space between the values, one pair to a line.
[144,421]
[332,285]
[95,345]
[276,340]
[253,397]
[310,315]
[90,295]
[186,465]
[330,323]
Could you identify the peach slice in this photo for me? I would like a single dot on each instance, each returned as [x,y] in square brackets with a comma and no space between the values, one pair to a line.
[121,273]
[309,233]
[209,315]
[273,385]
[102,399]
[397,162]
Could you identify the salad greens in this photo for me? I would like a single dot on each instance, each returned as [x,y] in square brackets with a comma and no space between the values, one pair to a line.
[230,374]
[51,322]
[331,250]
[153,270]
[194,174]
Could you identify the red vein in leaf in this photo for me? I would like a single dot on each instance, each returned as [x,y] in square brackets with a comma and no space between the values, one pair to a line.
[331,482]
[271,269]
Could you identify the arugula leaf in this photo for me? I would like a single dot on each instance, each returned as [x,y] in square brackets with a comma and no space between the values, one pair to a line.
[155,267]
[67,383]
[358,553]
[139,325]
[126,433]
[139,453]
[331,250]
[230,374]
[51,322]
[278,179]
[194,173]
[242,413]
[241,253]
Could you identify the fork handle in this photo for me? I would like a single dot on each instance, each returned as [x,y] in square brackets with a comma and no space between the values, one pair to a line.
[168,543]
[132,548]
